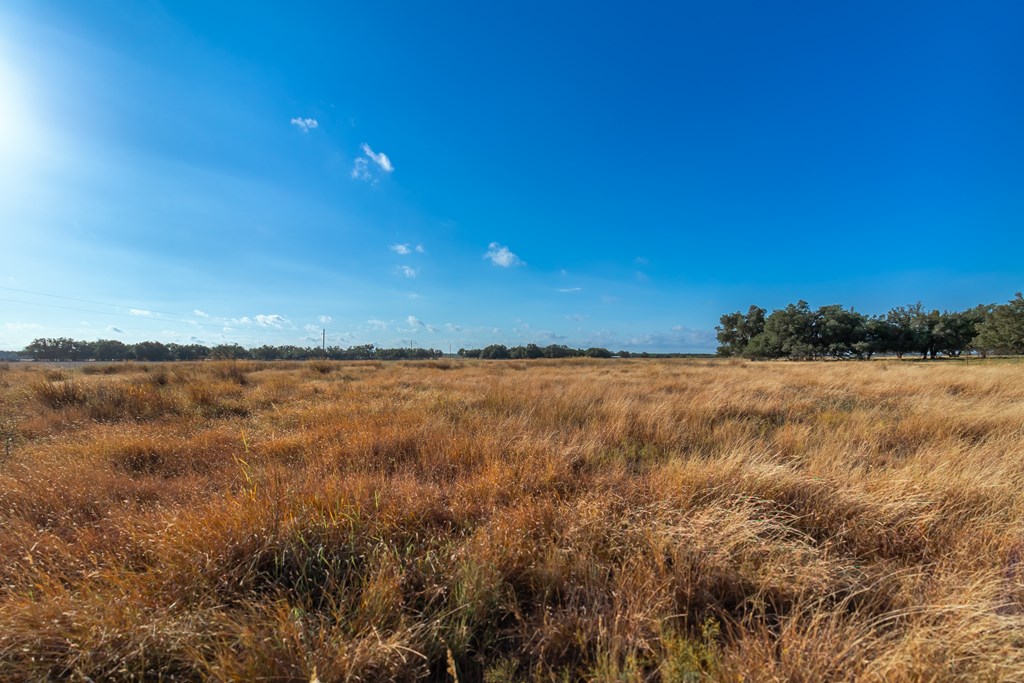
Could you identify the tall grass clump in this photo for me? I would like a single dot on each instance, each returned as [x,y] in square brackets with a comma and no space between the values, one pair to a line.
[59,393]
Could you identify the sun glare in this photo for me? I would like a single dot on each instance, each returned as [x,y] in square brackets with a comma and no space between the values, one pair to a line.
[17,128]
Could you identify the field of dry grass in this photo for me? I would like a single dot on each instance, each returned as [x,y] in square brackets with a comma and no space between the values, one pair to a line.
[582,520]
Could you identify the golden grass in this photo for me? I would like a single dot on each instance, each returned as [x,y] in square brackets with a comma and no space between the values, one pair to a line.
[553,520]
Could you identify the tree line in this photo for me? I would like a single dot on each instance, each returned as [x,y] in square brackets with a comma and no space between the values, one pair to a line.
[65,349]
[799,332]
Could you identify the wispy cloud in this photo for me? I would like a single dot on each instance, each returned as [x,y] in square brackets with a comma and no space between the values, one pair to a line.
[305,124]
[361,170]
[408,272]
[273,320]
[139,311]
[325,319]
[502,256]
[377,324]
[416,323]
[23,326]
[569,290]
[405,249]
[451,327]
[381,159]
[200,314]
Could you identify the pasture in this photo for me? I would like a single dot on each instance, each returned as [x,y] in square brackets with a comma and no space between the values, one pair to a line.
[616,520]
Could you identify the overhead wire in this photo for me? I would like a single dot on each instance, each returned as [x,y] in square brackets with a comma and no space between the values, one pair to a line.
[99,303]
[137,318]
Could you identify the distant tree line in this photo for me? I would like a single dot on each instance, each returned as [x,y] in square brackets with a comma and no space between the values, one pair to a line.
[64,349]
[799,332]
[500,351]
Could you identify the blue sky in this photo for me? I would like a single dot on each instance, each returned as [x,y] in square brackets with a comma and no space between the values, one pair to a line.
[466,173]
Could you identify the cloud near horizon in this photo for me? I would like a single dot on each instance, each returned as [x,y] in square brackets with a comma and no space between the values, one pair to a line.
[273,320]
[415,323]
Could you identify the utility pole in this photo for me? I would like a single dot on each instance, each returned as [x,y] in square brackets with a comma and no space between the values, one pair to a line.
[323,339]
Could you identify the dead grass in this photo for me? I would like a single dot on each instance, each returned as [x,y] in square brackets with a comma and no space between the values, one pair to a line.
[550,520]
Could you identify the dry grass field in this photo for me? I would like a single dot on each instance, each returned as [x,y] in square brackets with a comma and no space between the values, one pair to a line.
[618,520]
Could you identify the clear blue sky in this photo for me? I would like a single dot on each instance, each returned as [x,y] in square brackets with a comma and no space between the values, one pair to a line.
[466,173]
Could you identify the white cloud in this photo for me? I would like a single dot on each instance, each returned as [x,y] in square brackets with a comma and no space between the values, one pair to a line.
[576,317]
[23,326]
[415,322]
[305,124]
[502,256]
[244,320]
[380,159]
[273,320]
[325,319]
[139,311]
[402,249]
[420,249]
[567,290]
[311,328]
[407,271]
[361,170]
[200,314]
[377,324]
[451,327]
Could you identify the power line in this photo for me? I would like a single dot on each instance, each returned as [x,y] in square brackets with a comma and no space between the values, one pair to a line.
[91,301]
[137,318]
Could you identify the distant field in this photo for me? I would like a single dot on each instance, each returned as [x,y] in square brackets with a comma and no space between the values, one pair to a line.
[615,520]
